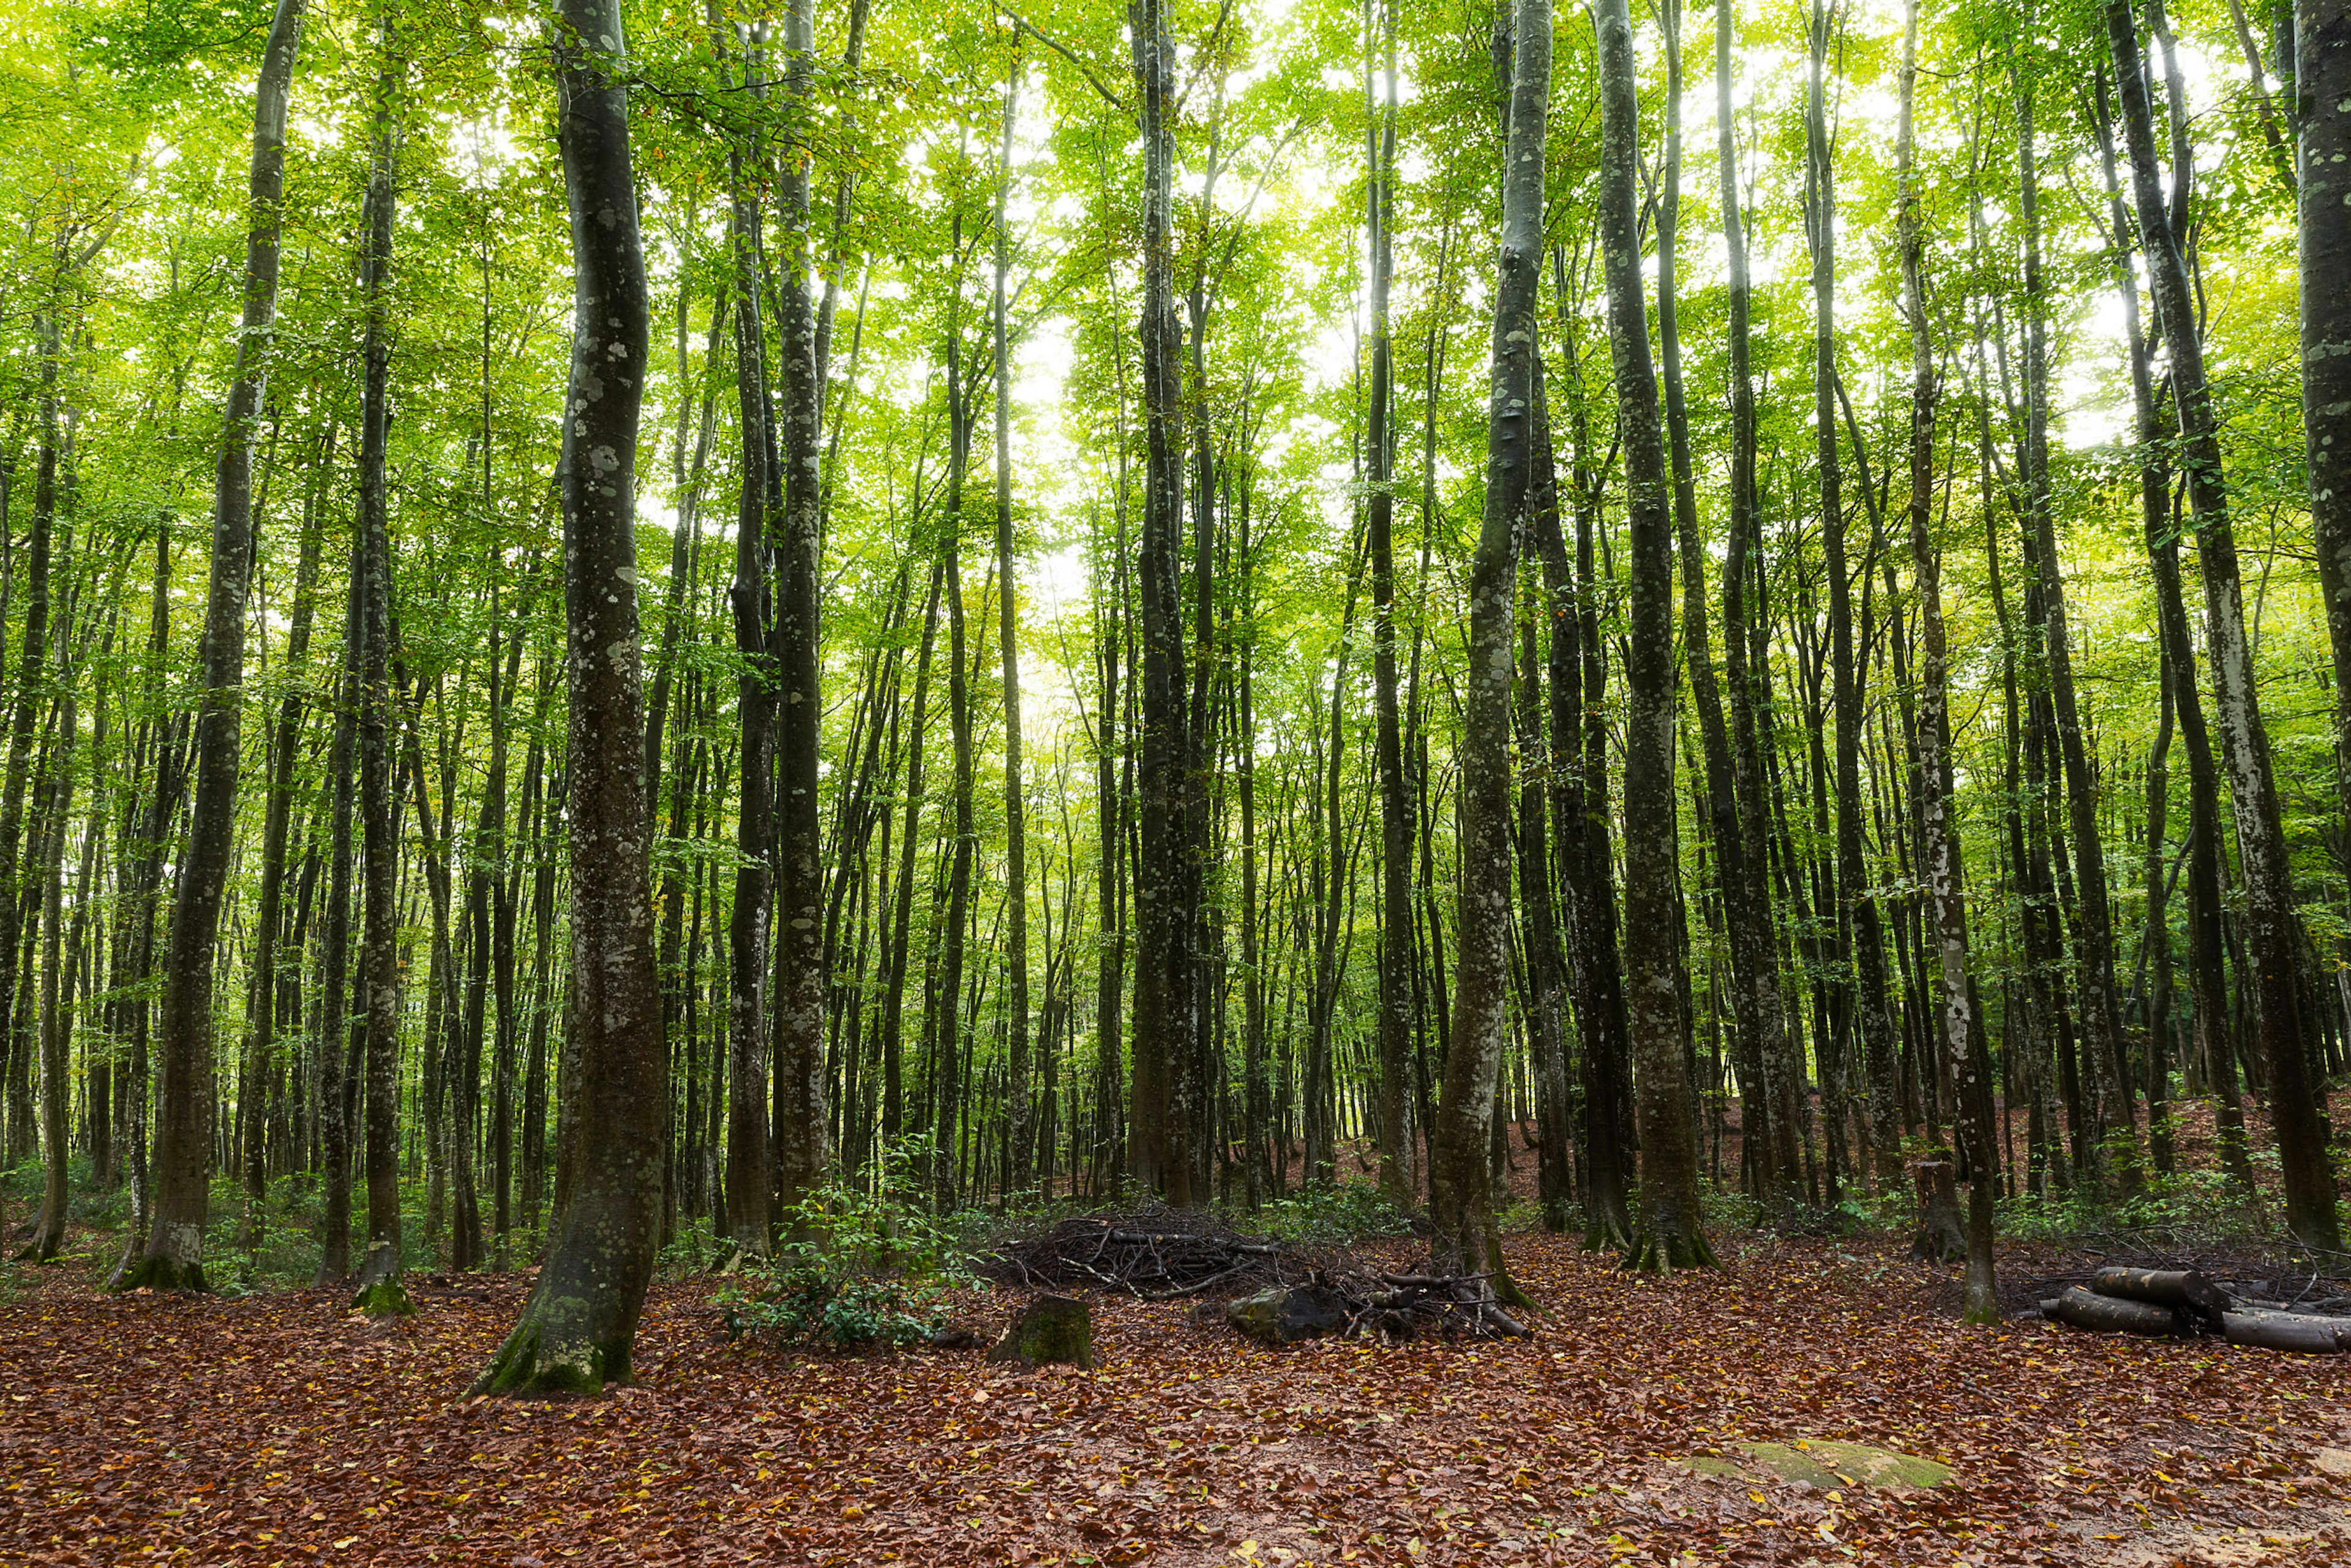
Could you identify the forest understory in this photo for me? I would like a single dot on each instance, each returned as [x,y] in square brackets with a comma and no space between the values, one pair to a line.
[281,1427]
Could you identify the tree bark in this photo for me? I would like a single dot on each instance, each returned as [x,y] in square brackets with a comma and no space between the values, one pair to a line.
[2269,896]
[1461,1201]
[1160,1153]
[802,1153]
[1016,833]
[174,1254]
[577,1330]
[1670,1233]
[1939,832]
[379,1288]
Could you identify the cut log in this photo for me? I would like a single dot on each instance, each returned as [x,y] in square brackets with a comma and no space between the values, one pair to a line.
[2305,1333]
[1050,1330]
[1940,1237]
[2185,1288]
[2112,1314]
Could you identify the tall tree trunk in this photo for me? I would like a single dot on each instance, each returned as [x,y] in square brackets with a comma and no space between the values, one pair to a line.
[2101,1019]
[1754,1002]
[579,1328]
[801,1152]
[1160,1153]
[2322,90]
[1755,944]
[1461,1201]
[1938,833]
[174,1254]
[747,1219]
[1865,985]
[1016,831]
[1670,1234]
[2269,895]
[379,1275]
[1397,1178]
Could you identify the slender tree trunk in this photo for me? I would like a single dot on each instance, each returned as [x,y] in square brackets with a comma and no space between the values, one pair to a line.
[2101,1020]
[1755,945]
[577,1330]
[2268,895]
[1938,833]
[379,1275]
[1397,1177]
[1865,987]
[1160,1153]
[2322,90]
[802,1156]
[174,1254]
[747,1219]
[1016,832]
[1670,1234]
[1461,1199]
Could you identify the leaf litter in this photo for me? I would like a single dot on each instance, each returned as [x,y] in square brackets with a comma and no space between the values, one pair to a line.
[279,1429]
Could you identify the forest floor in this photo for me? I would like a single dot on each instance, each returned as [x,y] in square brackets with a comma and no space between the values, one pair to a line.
[280,1428]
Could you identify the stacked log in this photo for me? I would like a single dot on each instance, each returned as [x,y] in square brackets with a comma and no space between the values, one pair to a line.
[2183,1302]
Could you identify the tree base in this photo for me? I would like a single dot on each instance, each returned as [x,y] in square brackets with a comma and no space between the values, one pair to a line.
[44,1244]
[1664,1255]
[383,1299]
[1608,1233]
[158,1273]
[531,1365]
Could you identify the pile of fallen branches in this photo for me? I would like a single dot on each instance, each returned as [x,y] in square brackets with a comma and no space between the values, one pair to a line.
[1278,1291]
[1154,1254]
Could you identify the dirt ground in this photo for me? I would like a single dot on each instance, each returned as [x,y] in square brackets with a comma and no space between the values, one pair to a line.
[279,1429]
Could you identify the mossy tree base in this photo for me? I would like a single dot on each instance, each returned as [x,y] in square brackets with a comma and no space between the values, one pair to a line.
[153,1272]
[383,1299]
[1663,1254]
[539,1361]
[47,1240]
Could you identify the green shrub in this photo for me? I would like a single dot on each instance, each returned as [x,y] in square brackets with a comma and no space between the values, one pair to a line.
[864,1264]
[1336,1215]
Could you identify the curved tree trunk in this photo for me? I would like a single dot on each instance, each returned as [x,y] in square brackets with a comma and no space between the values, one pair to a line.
[579,1328]
[1461,1202]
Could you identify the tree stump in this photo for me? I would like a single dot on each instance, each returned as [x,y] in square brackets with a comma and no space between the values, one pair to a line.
[1941,1235]
[1050,1330]
[1285,1317]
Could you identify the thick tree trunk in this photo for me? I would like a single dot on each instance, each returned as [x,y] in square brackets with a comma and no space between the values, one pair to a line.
[577,1330]
[1461,1201]
[174,1255]
[1670,1234]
